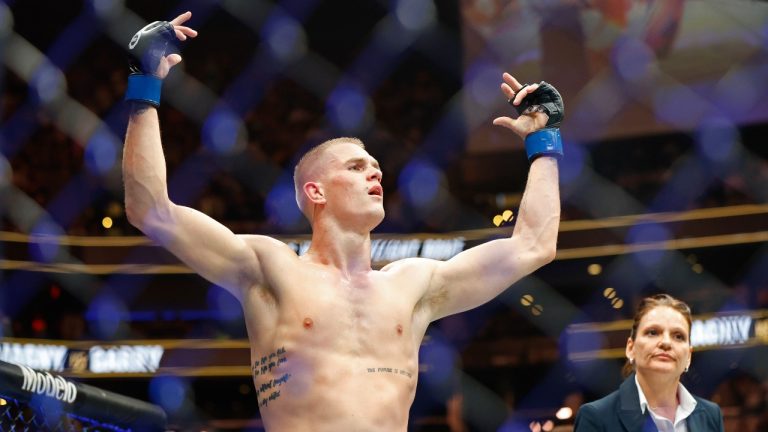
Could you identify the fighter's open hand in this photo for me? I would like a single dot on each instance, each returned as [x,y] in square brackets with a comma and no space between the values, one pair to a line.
[153,48]
[182,33]
[515,93]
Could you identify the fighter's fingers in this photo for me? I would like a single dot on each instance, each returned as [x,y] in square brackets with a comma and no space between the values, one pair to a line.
[513,83]
[181,19]
[522,93]
[173,60]
[504,121]
[507,90]
[183,32]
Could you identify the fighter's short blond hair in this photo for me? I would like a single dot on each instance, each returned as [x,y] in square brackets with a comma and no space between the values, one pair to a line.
[308,160]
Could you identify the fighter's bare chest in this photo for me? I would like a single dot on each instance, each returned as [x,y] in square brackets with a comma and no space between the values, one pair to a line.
[333,314]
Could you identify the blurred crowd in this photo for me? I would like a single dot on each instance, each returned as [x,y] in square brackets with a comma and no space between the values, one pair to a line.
[288,119]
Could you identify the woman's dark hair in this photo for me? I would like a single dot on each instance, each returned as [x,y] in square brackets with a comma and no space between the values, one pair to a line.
[648,304]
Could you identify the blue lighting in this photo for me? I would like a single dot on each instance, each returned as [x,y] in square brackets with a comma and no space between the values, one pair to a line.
[284,36]
[169,392]
[47,248]
[101,152]
[645,233]
[348,108]
[482,80]
[224,306]
[419,182]
[108,313]
[572,165]
[50,408]
[439,357]
[716,139]
[677,105]
[47,82]
[220,131]
[281,205]
[632,58]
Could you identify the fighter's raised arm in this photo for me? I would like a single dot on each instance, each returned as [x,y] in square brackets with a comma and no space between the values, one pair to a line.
[479,274]
[205,245]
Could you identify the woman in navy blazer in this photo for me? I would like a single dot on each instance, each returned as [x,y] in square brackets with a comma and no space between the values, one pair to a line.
[652,397]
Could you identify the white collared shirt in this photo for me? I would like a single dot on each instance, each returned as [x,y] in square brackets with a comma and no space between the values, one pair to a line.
[684,409]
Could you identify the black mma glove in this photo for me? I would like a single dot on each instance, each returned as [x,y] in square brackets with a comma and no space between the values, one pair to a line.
[546,141]
[145,50]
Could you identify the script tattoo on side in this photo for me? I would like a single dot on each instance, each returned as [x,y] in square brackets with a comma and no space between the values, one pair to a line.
[389,370]
[269,391]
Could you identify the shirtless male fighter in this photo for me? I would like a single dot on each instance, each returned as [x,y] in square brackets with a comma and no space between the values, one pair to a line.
[334,343]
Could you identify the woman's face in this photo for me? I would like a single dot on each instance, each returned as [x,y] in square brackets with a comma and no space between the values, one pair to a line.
[662,343]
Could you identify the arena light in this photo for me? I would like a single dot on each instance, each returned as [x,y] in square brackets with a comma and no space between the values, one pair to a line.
[611,295]
[505,217]
[106,222]
[526,300]
[564,413]
[594,269]
[537,310]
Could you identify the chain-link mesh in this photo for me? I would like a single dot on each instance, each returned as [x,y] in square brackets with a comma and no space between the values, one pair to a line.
[19,417]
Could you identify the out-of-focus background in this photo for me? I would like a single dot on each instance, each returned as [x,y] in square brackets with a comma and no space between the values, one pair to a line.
[664,189]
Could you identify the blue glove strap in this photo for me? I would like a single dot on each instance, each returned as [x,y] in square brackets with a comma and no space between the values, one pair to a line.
[544,142]
[144,88]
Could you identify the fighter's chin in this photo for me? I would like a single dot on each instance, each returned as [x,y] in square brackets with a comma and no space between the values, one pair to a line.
[377,216]
[374,216]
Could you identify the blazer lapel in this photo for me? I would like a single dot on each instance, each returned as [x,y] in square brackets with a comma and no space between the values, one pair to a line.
[630,414]
[697,420]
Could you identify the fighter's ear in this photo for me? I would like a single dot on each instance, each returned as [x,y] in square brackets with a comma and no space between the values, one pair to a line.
[314,192]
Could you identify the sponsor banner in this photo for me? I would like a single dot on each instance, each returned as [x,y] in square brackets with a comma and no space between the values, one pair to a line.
[52,386]
[385,250]
[722,331]
[33,355]
[96,359]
